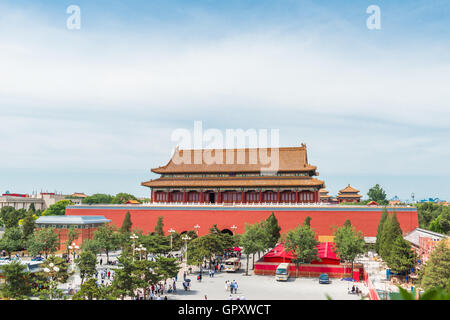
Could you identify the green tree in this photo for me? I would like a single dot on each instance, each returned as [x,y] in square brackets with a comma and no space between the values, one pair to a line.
[98,198]
[302,243]
[17,281]
[54,271]
[378,195]
[122,197]
[28,225]
[107,239]
[12,240]
[307,221]
[272,230]
[91,245]
[44,240]
[126,224]
[57,209]
[32,208]
[124,283]
[441,223]
[72,235]
[167,267]
[349,243]
[90,290]
[159,226]
[86,264]
[402,257]
[436,272]
[347,223]
[252,241]
[390,231]
[383,218]
[9,217]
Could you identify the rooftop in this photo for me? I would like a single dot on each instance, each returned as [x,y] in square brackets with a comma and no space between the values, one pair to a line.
[237,160]
[71,220]
[413,236]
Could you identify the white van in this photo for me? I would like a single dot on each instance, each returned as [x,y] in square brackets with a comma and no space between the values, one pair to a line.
[283,272]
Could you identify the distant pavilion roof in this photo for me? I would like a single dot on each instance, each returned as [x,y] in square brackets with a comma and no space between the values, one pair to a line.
[78,220]
[349,189]
[291,159]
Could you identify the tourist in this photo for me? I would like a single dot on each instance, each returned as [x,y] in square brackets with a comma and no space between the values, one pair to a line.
[230,297]
[226,285]
[206,298]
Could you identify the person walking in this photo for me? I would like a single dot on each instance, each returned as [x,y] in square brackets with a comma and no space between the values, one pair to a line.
[101,261]
[226,285]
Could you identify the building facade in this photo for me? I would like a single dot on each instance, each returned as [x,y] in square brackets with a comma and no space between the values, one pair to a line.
[349,194]
[85,225]
[237,176]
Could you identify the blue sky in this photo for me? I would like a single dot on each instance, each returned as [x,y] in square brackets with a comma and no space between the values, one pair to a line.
[92,110]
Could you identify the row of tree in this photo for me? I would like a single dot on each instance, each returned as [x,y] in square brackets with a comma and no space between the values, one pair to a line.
[101,198]
[434,217]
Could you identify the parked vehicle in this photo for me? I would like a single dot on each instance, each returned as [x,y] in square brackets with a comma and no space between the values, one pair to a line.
[324,278]
[282,273]
[38,259]
[232,264]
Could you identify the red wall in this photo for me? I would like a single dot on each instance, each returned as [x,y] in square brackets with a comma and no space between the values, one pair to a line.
[181,219]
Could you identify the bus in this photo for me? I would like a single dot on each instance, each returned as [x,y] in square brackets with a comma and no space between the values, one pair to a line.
[232,264]
[283,272]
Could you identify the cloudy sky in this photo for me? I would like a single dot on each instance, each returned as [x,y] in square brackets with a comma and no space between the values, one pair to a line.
[92,110]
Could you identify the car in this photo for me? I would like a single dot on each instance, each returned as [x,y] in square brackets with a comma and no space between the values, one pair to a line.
[38,259]
[324,278]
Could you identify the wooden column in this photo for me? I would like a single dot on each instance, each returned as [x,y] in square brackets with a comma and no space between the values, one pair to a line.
[278,196]
[184,196]
[242,197]
[167,196]
[260,196]
[201,196]
[153,195]
[296,196]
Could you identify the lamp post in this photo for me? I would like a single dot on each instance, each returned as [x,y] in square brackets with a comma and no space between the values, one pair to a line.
[171,231]
[133,237]
[196,228]
[234,229]
[186,238]
[141,249]
[52,270]
[73,248]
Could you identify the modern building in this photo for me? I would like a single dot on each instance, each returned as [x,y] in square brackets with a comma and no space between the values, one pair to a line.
[424,241]
[237,176]
[41,201]
[349,194]
[86,225]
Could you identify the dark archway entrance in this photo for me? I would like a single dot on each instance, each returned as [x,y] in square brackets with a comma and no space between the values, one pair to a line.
[211,197]
[227,231]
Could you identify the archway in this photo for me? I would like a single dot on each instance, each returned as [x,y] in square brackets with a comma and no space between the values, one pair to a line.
[227,231]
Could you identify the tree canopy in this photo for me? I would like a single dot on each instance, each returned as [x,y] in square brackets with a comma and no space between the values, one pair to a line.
[349,243]
[302,243]
[57,209]
[378,195]
[436,272]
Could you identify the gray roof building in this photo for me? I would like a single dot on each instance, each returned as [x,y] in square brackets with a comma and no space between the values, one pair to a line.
[413,236]
[67,221]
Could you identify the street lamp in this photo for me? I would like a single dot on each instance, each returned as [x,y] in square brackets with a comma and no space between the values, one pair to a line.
[141,249]
[196,228]
[73,248]
[186,238]
[171,231]
[133,237]
[52,271]
[234,228]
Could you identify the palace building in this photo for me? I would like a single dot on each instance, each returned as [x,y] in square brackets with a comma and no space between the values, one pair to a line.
[349,194]
[237,176]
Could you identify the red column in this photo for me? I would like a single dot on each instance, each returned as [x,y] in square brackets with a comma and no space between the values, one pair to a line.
[316,196]
[184,196]
[242,197]
[201,196]
[278,196]
[152,198]
[260,196]
[167,196]
[296,196]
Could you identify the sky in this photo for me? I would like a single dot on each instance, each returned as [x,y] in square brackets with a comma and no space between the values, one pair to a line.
[93,109]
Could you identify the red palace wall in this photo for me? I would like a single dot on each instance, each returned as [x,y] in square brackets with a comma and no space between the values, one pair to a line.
[182,218]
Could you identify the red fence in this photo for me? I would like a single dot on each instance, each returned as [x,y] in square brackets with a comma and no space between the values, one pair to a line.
[311,270]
